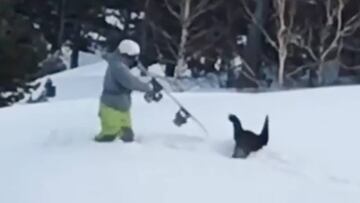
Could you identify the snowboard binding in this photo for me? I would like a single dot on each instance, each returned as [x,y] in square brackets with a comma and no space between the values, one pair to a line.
[153,96]
[156,94]
[181,117]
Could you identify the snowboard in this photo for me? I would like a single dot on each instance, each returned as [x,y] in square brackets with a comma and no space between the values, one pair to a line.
[183,114]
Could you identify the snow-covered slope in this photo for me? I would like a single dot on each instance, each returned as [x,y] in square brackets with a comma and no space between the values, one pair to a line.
[47,154]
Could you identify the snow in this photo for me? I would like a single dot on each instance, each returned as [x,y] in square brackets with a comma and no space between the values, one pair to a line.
[157,69]
[113,20]
[237,61]
[95,36]
[217,65]
[242,40]
[47,154]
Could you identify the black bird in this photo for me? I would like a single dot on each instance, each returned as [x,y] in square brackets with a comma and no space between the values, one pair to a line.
[246,141]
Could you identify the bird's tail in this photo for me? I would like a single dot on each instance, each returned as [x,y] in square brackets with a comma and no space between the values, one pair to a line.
[236,123]
[265,132]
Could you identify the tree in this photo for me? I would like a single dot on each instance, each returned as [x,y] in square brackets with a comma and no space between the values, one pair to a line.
[319,39]
[255,43]
[66,22]
[284,12]
[22,48]
[182,27]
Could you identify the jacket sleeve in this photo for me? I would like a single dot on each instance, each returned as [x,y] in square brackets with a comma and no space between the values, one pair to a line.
[123,76]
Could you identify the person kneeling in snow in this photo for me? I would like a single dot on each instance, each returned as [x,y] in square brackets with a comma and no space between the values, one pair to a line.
[115,101]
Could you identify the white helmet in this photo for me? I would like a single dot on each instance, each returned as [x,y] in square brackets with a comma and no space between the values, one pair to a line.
[129,47]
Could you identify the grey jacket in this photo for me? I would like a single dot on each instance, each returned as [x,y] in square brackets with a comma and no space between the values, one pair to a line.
[119,83]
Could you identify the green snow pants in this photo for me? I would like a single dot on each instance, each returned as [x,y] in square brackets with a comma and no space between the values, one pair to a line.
[114,123]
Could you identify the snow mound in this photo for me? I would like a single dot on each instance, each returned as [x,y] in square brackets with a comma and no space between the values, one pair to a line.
[47,153]
[52,158]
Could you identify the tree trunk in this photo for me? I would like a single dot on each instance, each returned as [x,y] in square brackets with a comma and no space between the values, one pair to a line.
[74,58]
[255,41]
[76,47]
[282,40]
[61,8]
[144,55]
[253,49]
[181,62]
[282,63]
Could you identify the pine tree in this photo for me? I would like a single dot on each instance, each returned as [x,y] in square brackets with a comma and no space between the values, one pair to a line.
[21,51]
[70,22]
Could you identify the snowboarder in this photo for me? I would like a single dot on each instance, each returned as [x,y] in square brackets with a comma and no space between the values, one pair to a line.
[115,100]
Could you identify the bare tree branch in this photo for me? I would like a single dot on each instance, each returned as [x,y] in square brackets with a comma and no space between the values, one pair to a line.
[254,20]
[300,68]
[202,8]
[330,14]
[172,50]
[251,78]
[171,10]
[299,40]
[247,66]
[197,35]
[308,46]
[346,67]
[201,5]
[351,26]
[335,41]
[163,32]
[194,29]
[208,46]
[282,39]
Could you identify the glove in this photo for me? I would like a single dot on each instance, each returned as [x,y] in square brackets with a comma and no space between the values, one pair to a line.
[155,94]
